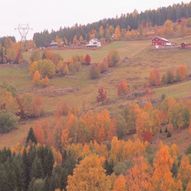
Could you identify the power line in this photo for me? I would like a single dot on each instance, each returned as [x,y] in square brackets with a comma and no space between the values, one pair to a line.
[23,30]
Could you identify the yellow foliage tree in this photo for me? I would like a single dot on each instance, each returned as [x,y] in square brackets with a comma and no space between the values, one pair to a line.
[117,33]
[89,175]
[139,176]
[184,173]
[168,27]
[162,176]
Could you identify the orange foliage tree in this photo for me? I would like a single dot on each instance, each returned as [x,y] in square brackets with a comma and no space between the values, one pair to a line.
[117,33]
[103,65]
[139,176]
[32,106]
[36,78]
[162,178]
[120,184]
[181,72]
[122,88]
[154,77]
[87,60]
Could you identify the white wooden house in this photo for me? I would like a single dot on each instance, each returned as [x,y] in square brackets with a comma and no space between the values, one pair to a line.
[94,43]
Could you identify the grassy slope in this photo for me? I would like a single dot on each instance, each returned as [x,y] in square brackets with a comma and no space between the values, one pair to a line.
[125,48]
[135,70]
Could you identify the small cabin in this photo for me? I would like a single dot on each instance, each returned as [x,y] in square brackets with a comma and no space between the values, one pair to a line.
[53,44]
[158,42]
[94,43]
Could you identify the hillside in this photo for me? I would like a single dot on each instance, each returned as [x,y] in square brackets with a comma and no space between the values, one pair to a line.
[79,90]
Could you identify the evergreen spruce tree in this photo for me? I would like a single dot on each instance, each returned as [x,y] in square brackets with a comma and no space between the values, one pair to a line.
[31,137]
[26,170]
[37,169]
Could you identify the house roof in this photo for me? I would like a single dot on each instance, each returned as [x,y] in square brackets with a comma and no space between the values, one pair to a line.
[53,43]
[161,38]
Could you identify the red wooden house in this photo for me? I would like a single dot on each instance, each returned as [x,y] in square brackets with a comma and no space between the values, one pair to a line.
[160,42]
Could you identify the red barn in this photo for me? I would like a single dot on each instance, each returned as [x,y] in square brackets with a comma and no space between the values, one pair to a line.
[159,41]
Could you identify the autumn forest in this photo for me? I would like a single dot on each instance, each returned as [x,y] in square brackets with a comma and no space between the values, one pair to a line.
[111,116]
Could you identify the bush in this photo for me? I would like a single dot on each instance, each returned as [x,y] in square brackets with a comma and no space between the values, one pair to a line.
[87,60]
[37,185]
[32,106]
[74,67]
[180,117]
[8,121]
[76,58]
[75,64]
[49,55]
[102,95]
[188,150]
[189,22]
[113,58]
[103,66]
[36,55]
[8,101]
[94,72]
[125,122]
[168,78]
[169,134]
[154,77]
[181,72]
[122,167]
[45,82]
[45,68]
[36,78]
[62,109]
[122,88]
[62,68]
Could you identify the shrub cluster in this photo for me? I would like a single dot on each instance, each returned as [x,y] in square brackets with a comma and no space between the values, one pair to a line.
[111,60]
[8,121]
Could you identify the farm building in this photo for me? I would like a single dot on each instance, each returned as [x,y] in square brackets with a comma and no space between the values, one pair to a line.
[158,42]
[186,45]
[53,44]
[94,43]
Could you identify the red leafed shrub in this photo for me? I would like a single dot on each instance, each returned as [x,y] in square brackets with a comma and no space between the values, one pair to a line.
[103,66]
[147,136]
[154,77]
[102,95]
[87,60]
[122,88]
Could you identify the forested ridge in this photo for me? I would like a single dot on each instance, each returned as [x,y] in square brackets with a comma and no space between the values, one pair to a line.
[105,28]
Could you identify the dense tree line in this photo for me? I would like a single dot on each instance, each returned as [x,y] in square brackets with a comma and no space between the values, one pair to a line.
[11,51]
[4,39]
[70,126]
[115,166]
[107,27]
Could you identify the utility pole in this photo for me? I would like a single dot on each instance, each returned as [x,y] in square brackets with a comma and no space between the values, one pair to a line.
[23,30]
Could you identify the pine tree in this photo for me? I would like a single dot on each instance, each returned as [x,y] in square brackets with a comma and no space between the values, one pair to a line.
[37,169]
[26,170]
[31,137]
